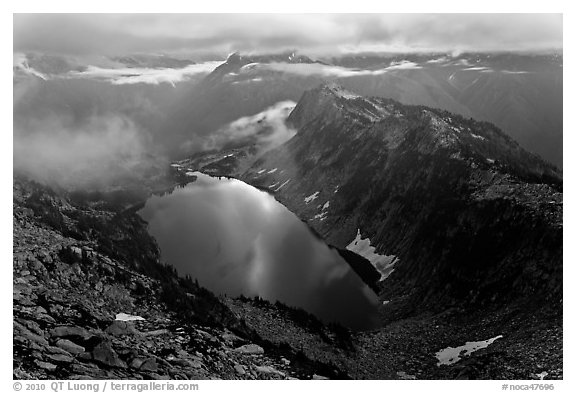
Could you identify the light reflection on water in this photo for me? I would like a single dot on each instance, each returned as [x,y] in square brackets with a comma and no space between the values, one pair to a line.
[237,240]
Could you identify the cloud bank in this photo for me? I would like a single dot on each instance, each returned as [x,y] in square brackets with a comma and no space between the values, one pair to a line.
[154,76]
[330,71]
[310,33]
[101,151]
[267,129]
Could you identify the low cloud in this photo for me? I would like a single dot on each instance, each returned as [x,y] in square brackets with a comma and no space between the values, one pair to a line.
[331,71]
[154,76]
[99,152]
[403,65]
[317,34]
[267,129]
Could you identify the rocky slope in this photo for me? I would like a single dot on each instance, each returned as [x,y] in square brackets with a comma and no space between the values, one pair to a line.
[530,347]
[468,214]
[92,301]
[519,92]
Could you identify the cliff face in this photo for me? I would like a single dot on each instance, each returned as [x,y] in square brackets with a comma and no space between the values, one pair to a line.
[465,213]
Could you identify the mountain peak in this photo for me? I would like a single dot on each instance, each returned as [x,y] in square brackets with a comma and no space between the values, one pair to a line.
[234,58]
[338,90]
[422,130]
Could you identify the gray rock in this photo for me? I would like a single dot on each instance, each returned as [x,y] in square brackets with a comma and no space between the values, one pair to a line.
[104,354]
[122,328]
[72,332]
[45,365]
[149,365]
[195,363]
[22,334]
[60,358]
[250,349]
[58,351]
[404,375]
[319,377]
[239,369]
[89,370]
[69,346]
[84,356]
[231,338]
[159,377]
[179,362]
[269,370]
[137,362]
[157,332]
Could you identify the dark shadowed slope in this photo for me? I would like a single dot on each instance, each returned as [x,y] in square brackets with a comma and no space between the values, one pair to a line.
[467,213]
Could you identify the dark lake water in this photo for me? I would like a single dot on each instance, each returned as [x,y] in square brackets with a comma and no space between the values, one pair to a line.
[236,239]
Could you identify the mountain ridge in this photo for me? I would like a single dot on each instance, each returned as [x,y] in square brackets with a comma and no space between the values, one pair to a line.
[412,170]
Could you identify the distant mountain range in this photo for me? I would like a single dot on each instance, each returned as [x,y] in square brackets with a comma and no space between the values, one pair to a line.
[520,93]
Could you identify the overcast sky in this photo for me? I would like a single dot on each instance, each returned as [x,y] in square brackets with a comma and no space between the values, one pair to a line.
[320,34]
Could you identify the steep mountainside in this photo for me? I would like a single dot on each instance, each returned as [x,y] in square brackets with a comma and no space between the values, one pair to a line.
[465,214]
[520,93]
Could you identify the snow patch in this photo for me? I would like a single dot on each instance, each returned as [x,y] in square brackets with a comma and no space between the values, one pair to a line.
[403,65]
[346,94]
[383,263]
[326,205]
[476,69]
[127,317]
[448,356]
[321,216]
[514,72]
[310,198]
[438,60]
[248,66]
[273,170]
[247,81]
[542,375]
[283,184]
[478,137]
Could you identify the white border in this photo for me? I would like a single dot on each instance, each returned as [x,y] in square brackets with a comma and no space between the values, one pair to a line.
[300,6]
